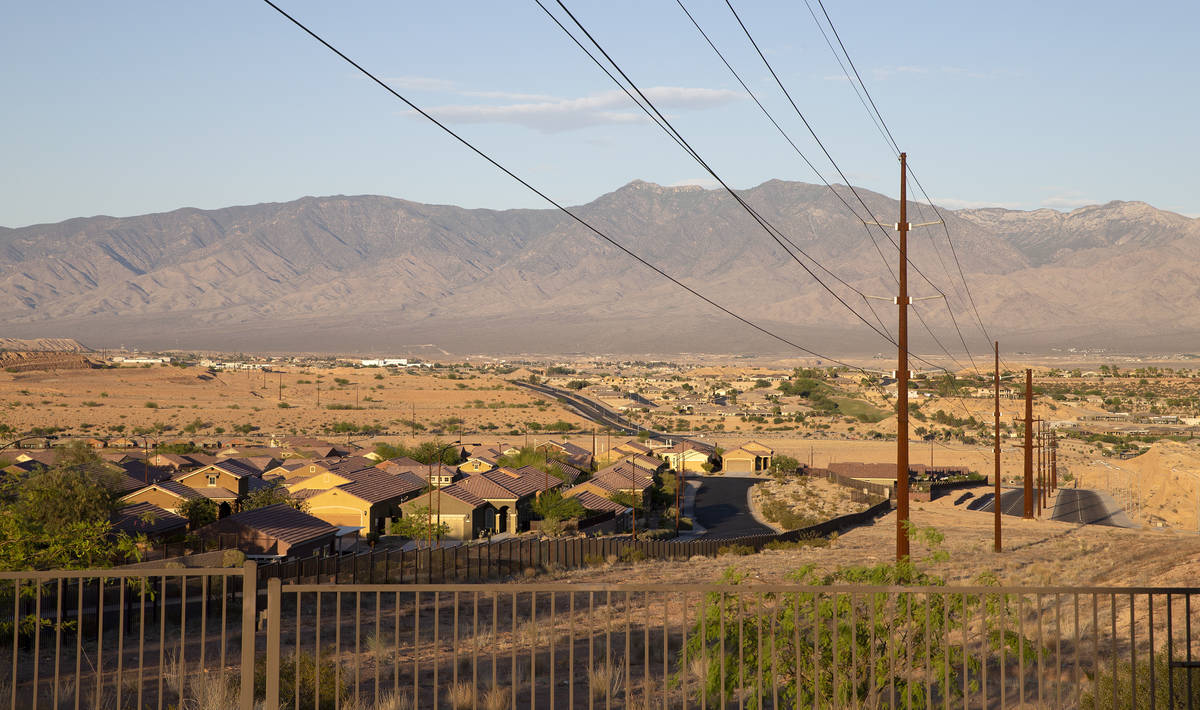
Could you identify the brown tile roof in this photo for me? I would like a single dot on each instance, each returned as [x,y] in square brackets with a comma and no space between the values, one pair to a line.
[148,519]
[279,521]
[619,479]
[535,472]
[484,488]
[591,501]
[383,486]
[566,471]
[522,483]
[457,491]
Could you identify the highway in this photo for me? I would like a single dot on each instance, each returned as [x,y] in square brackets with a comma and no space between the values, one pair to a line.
[587,409]
[1012,502]
[1082,507]
[721,507]
[1089,508]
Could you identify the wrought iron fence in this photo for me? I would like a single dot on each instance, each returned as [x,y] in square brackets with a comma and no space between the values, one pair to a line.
[172,638]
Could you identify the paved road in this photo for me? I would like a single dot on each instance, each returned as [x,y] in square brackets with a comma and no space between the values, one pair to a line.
[1089,508]
[1012,502]
[722,509]
[1082,507]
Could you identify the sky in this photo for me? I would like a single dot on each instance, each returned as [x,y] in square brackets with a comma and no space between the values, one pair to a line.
[128,107]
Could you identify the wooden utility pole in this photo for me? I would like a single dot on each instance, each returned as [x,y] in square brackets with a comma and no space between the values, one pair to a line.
[996,452]
[1038,446]
[1054,460]
[902,373]
[1028,507]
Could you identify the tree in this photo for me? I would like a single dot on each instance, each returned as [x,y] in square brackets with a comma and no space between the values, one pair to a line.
[419,524]
[272,495]
[784,464]
[576,384]
[199,511]
[551,506]
[61,517]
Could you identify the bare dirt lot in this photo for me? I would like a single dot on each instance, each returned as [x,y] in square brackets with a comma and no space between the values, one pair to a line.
[107,401]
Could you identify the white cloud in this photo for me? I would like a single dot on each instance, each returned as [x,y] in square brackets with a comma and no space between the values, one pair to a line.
[507,95]
[552,115]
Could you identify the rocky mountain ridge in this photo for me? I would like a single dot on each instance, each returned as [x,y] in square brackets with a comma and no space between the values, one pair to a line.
[371,273]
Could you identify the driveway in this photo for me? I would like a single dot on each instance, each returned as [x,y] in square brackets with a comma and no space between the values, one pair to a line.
[721,507]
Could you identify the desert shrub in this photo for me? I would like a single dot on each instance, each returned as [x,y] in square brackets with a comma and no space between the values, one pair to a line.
[1116,692]
[303,682]
[632,554]
[735,550]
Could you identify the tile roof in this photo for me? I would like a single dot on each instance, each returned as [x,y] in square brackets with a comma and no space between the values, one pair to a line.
[383,486]
[615,479]
[591,501]
[520,482]
[484,488]
[536,473]
[147,518]
[457,491]
[280,521]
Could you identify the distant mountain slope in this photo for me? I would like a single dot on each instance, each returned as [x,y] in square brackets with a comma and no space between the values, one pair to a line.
[375,273]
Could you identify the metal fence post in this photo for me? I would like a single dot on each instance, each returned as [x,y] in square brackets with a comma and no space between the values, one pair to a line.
[274,615]
[249,598]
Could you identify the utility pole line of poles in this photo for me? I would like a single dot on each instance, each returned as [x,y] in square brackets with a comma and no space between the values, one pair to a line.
[902,373]
[996,498]
[1028,490]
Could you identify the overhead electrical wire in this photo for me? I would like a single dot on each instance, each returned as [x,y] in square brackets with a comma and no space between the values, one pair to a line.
[663,123]
[551,200]
[791,142]
[895,146]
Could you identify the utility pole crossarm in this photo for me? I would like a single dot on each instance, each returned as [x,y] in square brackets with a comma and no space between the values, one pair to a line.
[895,226]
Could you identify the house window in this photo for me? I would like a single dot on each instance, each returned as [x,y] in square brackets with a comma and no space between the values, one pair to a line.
[212,480]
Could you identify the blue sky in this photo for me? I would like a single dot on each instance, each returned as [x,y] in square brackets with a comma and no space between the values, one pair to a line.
[131,107]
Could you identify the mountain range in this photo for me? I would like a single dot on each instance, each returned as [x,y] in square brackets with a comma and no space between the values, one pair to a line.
[385,275]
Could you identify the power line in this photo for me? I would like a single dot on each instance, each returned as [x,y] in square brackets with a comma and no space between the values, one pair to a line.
[813,133]
[665,124]
[895,146]
[549,199]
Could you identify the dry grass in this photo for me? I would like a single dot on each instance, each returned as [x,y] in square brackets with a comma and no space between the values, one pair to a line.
[605,680]
[461,696]
[497,698]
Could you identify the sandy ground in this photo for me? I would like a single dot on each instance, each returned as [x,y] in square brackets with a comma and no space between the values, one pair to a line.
[95,401]
[814,499]
[1037,552]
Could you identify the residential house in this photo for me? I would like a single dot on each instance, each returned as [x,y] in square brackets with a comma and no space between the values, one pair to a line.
[170,495]
[464,513]
[688,457]
[367,501]
[628,448]
[510,492]
[622,477]
[751,457]
[574,454]
[231,475]
[275,531]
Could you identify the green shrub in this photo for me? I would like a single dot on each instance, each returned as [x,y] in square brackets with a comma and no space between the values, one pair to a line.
[1115,691]
[735,550]
[333,693]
